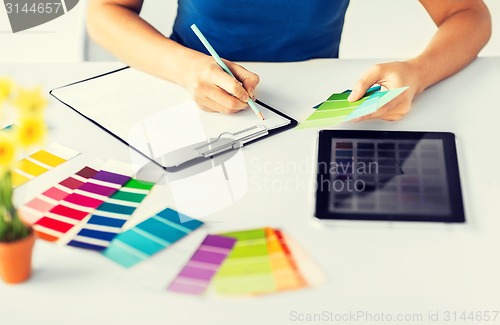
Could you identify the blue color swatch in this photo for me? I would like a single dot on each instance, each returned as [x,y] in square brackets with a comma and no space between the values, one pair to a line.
[149,237]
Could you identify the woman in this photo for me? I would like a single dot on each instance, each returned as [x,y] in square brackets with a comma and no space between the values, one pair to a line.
[279,30]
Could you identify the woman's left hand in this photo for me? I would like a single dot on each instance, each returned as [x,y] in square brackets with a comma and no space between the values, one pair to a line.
[389,75]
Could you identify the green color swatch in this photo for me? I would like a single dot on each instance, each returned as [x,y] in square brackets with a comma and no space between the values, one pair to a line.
[247,269]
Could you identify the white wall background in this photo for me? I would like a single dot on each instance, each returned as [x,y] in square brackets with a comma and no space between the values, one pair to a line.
[398,29]
[60,40]
[373,29]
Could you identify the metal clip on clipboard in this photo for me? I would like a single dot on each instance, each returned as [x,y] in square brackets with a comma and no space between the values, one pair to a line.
[224,142]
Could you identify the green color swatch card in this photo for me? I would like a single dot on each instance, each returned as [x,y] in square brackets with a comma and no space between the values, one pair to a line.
[247,269]
[337,109]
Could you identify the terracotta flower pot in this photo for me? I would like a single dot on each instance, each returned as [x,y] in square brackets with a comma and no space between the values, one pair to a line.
[15,259]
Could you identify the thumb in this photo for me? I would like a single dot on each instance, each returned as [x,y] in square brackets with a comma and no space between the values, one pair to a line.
[362,85]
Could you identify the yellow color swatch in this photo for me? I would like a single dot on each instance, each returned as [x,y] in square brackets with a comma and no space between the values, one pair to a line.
[30,167]
[47,158]
[40,162]
[18,179]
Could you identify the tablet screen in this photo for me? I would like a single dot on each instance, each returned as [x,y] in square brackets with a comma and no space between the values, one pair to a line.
[372,175]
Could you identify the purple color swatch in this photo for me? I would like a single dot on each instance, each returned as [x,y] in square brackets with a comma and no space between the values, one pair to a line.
[111,177]
[98,189]
[197,273]
[208,257]
[219,241]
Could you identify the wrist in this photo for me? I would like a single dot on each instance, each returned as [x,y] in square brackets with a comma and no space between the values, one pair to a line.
[181,64]
[191,64]
[419,73]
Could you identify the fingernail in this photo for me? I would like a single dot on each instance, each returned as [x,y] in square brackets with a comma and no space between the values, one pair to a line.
[352,96]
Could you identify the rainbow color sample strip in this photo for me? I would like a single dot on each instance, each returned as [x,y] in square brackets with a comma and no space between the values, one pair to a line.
[149,237]
[35,209]
[248,269]
[108,219]
[337,109]
[40,162]
[285,271]
[195,277]
[308,268]
[74,208]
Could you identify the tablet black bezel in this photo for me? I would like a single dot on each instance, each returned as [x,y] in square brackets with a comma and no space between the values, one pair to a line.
[457,214]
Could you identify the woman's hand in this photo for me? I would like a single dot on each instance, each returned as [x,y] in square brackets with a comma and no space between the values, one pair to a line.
[390,75]
[216,91]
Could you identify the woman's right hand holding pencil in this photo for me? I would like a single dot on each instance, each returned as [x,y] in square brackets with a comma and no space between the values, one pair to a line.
[216,91]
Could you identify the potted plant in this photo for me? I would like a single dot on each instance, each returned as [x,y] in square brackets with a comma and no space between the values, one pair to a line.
[24,108]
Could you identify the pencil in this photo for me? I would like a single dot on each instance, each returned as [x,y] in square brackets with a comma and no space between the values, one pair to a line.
[224,67]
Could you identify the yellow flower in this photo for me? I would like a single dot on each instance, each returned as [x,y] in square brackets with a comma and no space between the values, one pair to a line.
[30,130]
[6,86]
[7,151]
[30,102]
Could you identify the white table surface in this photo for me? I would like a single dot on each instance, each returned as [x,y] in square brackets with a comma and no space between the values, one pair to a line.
[372,267]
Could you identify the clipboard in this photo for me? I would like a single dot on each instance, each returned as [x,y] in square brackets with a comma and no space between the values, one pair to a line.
[99,99]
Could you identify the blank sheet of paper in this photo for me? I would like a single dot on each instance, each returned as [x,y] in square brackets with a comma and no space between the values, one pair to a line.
[153,115]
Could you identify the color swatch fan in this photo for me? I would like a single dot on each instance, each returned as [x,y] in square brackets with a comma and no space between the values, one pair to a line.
[337,109]
[35,209]
[249,262]
[84,197]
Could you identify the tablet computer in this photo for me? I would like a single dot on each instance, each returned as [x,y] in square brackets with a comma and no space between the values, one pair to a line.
[388,175]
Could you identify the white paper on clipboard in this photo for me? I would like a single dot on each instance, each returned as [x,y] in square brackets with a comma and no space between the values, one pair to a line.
[154,116]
